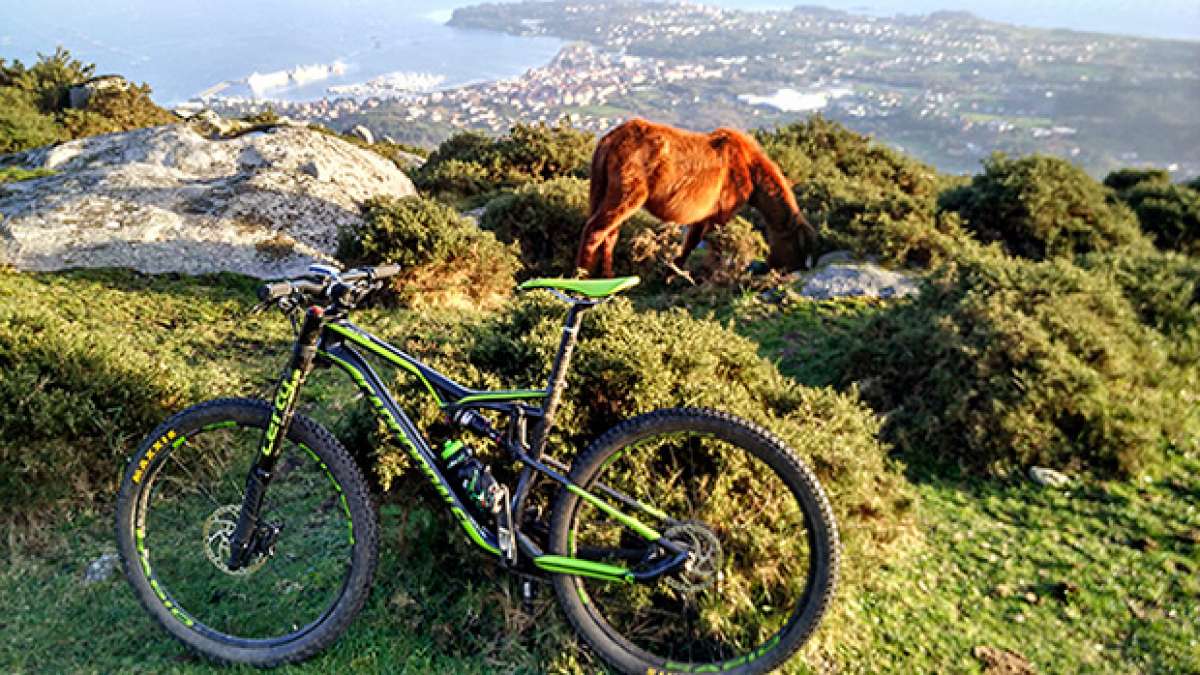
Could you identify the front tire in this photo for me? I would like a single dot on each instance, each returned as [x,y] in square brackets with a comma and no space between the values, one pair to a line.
[766,546]
[180,494]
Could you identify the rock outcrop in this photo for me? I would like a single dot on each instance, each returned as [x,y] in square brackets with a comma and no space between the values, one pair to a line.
[173,199]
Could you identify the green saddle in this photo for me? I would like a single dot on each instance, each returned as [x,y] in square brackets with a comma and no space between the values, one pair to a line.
[592,288]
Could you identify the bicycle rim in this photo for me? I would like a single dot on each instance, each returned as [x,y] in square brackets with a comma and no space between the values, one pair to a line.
[186,510]
[753,563]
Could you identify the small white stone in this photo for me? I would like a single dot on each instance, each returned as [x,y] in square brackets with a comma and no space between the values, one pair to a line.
[1048,477]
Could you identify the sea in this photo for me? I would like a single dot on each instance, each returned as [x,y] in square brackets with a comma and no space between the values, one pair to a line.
[298,49]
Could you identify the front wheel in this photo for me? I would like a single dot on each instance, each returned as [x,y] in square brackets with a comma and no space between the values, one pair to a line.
[178,505]
[763,543]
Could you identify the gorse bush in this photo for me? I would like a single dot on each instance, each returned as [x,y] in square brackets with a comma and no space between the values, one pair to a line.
[1003,362]
[1163,288]
[546,220]
[34,104]
[444,256]
[22,125]
[470,163]
[860,194]
[1123,179]
[1168,213]
[1042,207]
[74,402]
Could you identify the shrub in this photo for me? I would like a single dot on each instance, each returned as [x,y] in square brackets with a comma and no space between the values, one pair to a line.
[129,108]
[1168,213]
[74,402]
[860,194]
[545,221]
[15,174]
[444,256]
[1042,207]
[470,163]
[1003,362]
[33,104]
[1123,179]
[22,126]
[1164,288]
[48,79]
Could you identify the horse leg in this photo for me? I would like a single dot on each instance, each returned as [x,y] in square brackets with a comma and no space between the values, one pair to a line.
[595,232]
[604,226]
[610,245]
[695,233]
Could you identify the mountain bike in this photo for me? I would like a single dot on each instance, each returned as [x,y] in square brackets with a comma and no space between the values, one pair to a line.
[681,540]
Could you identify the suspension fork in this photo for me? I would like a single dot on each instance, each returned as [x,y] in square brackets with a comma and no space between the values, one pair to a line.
[244,541]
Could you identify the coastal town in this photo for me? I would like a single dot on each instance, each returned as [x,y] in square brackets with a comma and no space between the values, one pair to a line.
[948,87]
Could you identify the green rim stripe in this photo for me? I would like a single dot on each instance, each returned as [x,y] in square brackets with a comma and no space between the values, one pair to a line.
[227,424]
[336,486]
[726,665]
[384,354]
[645,531]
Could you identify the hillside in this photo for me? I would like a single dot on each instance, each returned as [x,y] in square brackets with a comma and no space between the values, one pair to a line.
[948,87]
[1057,325]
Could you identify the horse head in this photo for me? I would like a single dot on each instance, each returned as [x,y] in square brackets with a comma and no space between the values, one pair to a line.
[791,237]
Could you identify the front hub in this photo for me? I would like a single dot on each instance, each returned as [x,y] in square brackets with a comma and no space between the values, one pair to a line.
[218,530]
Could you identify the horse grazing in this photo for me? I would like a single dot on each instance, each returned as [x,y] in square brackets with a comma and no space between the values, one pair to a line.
[700,180]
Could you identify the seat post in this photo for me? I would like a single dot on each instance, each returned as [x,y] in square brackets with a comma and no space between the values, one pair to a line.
[558,374]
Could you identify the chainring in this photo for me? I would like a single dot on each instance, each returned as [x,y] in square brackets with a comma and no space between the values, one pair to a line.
[703,566]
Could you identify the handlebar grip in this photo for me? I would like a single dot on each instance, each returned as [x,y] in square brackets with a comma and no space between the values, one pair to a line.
[274,291]
[385,271]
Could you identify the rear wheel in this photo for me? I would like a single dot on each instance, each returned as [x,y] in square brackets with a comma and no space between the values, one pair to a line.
[762,536]
[179,502]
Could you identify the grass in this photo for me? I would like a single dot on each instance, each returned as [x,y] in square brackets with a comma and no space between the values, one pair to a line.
[1103,576]
[13,174]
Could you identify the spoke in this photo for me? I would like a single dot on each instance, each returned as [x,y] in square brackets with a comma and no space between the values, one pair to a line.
[191,476]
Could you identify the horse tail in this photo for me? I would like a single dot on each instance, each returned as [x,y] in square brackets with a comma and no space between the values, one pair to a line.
[599,178]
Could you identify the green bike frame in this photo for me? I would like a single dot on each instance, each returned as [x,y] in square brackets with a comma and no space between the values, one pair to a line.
[334,341]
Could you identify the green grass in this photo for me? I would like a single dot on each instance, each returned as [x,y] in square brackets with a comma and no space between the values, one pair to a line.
[1101,577]
[13,174]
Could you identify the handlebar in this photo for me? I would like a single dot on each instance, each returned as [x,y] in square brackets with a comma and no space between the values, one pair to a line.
[326,281]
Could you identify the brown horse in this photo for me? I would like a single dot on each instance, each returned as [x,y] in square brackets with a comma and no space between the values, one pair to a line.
[700,180]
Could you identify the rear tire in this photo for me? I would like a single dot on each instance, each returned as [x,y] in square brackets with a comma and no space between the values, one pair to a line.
[318,491]
[755,637]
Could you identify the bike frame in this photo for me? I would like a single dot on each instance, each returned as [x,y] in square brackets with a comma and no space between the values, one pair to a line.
[334,340]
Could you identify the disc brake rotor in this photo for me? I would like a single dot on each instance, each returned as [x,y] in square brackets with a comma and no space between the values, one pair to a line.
[703,567]
[218,529]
